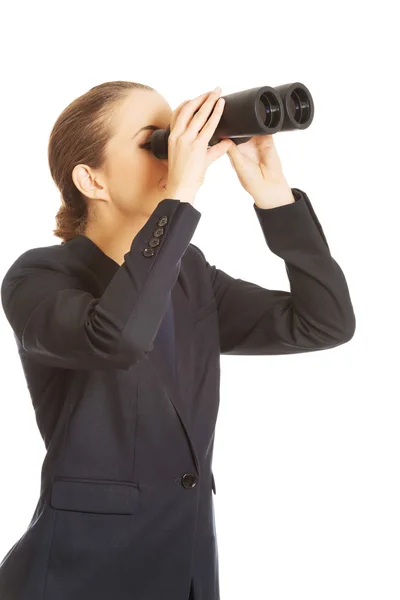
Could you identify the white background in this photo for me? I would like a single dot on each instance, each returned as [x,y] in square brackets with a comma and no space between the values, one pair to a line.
[306,457]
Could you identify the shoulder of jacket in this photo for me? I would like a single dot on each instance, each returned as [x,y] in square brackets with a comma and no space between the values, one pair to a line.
[56,258]
[195,251]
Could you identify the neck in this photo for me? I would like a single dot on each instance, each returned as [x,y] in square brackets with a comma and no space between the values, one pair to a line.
[115,240]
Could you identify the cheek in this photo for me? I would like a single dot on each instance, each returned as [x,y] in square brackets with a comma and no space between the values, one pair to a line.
[134,170]
[138,172]
[147,170]
[121,166]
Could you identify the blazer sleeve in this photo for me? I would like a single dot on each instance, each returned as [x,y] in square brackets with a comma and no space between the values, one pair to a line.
[317,314]
[60,324]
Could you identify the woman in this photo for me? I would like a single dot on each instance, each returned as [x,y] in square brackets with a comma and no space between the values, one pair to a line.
[120,329]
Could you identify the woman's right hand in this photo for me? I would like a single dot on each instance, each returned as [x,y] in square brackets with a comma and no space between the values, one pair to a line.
[191,128]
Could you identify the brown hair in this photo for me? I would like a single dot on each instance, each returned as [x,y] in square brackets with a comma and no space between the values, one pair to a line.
[80,135]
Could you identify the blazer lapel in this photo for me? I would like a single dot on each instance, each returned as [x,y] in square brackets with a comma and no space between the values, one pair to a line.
[179,390]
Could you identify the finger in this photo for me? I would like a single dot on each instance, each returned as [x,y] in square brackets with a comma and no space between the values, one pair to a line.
[176,112]
[211,125]
[186,109]
[201,112]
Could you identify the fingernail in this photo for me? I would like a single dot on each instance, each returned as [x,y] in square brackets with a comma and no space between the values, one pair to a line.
[217,88]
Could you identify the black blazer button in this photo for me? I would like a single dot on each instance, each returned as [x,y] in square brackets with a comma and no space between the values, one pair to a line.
[154,242]
[162,221]
[148,252]
[158,232]
[189,480]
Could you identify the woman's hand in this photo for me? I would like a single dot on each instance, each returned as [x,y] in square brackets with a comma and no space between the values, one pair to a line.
[259,170]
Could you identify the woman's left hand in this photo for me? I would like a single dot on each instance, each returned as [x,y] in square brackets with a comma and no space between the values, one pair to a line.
[259,170]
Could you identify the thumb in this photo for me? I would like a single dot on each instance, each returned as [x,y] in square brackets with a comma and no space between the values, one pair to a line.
[218,150]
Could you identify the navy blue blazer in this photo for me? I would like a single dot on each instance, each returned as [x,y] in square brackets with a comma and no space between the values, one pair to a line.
[126,509]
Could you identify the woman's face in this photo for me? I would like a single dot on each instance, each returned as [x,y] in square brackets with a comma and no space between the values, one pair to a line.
[132,178]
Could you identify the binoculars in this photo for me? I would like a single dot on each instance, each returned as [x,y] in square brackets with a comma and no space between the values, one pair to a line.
[257,111]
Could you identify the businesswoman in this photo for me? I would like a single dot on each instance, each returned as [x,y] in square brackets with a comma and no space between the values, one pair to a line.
[120,329]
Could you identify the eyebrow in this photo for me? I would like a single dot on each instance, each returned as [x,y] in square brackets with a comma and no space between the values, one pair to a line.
[147,127]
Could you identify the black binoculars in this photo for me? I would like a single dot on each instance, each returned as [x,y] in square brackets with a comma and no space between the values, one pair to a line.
[257,111]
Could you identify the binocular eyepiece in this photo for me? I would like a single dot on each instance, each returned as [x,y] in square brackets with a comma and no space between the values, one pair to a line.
[257,111]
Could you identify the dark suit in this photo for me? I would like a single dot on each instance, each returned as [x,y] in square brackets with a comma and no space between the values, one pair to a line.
[126,510]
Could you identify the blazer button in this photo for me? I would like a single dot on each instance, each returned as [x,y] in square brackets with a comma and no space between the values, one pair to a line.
[148,252]
[162,221]
[154,242]
[158,232]
[189,480]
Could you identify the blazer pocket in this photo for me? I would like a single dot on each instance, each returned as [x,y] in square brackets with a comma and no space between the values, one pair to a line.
[94,495]
[203,311]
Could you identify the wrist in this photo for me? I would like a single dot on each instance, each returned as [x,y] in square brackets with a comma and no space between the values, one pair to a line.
[179,194]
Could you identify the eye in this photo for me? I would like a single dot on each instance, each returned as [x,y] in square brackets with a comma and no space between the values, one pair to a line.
[146,145]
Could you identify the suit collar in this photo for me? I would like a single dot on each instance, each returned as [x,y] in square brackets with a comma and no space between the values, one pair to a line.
[102,266]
